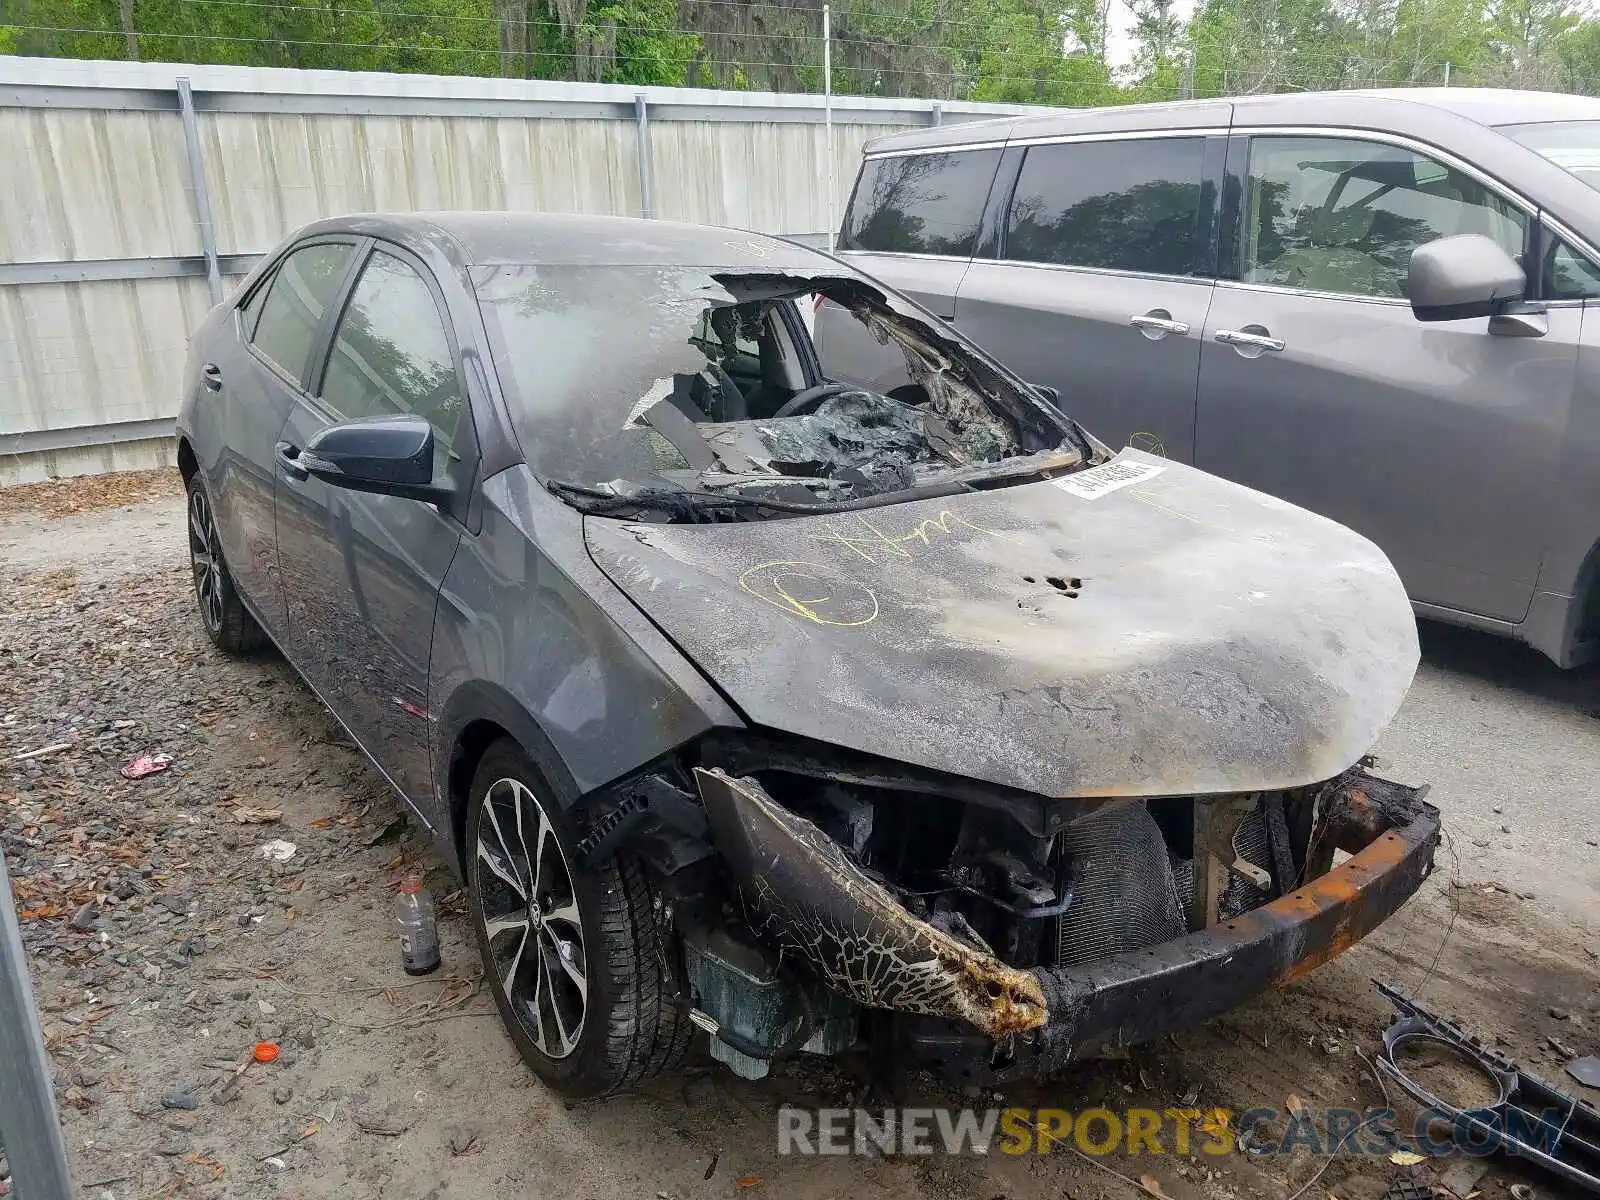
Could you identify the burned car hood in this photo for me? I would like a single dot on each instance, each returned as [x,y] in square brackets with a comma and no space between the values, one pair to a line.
[1137,629]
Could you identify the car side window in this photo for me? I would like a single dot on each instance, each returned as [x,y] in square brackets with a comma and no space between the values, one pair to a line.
[1343,215]
[1568,275]
[920,203]
[295,301]
[1129,205]
[250,311]
[391,355]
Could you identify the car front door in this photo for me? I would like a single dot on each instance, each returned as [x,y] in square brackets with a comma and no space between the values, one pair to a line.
[361,572]
[1103,280]
[1440,442]
[252,380]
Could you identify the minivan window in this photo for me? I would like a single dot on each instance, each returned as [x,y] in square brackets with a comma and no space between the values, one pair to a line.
[1574,146]
[1123,205]
[920,203]
[299,294]
[1343,215]
[1568,275]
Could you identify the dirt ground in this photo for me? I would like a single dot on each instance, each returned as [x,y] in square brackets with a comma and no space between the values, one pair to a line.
[164,946]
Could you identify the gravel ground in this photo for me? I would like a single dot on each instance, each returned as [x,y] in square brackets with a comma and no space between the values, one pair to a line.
[164,945]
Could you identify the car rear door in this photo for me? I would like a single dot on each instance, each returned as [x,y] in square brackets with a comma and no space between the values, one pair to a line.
[1102,277]
[361,572]
[1441,442]
[250,378]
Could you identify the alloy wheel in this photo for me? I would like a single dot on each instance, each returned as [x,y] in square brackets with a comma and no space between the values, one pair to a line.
[206,554]
[531,921]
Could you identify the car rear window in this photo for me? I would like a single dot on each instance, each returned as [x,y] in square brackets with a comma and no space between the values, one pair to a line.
[920,203]
[1123,205]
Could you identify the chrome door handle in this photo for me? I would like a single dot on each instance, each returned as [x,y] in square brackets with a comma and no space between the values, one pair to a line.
[211,376]
[1158,322]
[1247,339]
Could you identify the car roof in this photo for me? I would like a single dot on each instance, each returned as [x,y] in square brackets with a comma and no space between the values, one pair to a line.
[503,238]
[1491,107]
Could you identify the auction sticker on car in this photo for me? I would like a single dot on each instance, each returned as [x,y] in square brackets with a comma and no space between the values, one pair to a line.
[1108,477]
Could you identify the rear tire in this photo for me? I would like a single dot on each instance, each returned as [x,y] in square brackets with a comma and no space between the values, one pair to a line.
[227,622]
[577,958]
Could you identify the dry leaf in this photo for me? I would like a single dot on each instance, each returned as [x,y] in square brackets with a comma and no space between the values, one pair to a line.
[1152,1185]
[1294,1104]
[747,1181]
[1406,1158]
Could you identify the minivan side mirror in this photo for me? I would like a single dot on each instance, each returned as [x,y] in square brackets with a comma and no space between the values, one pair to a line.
[392,456]
[1465,275]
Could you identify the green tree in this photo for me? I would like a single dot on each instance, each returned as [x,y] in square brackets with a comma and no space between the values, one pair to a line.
[1243,47]
[1431,33]
[1578,51]
[1524,37]
[1157,29]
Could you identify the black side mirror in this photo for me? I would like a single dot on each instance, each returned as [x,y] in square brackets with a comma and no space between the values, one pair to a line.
[1463,276]
[392,456]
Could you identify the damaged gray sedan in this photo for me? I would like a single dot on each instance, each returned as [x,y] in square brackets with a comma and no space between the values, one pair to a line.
[816,692]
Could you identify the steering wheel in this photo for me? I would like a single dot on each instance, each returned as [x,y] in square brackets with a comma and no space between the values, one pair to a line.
[812,397]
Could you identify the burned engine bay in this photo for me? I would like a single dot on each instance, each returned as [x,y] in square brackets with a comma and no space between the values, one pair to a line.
[826,901]
[740,408]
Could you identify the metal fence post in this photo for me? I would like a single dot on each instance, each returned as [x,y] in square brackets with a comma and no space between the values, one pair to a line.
[827,117]
[641,116]
[28,1124]
[202,196]
[936,114]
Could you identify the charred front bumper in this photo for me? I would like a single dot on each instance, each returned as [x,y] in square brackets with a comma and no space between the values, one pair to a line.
[972,1017]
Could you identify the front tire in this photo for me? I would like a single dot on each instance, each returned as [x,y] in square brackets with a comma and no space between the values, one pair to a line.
[227,622]
[576,957]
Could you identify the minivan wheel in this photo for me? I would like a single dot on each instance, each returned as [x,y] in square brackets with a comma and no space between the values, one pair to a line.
[227,622]
[576,958]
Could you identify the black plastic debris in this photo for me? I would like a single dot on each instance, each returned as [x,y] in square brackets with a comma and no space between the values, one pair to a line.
[1529,1119]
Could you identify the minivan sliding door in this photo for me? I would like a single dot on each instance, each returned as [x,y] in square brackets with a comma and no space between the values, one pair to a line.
[1103,281]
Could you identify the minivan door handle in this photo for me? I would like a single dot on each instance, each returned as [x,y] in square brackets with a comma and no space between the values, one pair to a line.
[211,376]
[1252,341]
[1157,323]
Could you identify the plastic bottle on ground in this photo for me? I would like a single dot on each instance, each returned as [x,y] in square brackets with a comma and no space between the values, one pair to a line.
[419,934]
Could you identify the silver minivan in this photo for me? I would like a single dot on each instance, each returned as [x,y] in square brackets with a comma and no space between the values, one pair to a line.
[1375,305]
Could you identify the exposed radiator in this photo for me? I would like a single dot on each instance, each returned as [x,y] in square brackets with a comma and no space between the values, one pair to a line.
[1124,896]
